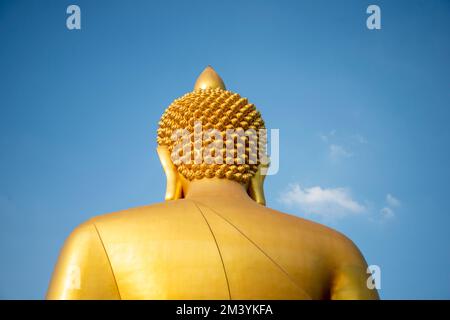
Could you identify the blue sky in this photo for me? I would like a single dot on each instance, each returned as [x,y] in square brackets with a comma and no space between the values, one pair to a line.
[363,118]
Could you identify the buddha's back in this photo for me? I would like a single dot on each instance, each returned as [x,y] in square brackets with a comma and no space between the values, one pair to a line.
[203,248]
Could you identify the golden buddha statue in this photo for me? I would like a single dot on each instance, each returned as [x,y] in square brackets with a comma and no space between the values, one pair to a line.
[213,237]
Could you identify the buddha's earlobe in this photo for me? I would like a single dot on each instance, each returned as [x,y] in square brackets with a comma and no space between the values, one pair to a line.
[174,188]
[256,187]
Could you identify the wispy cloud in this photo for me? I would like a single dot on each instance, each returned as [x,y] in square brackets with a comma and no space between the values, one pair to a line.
[338,145]
[338,152]
[388,212]
[326,137]
[326,203]
[392,201]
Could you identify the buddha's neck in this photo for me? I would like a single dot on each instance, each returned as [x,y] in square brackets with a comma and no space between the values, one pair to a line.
[215,187]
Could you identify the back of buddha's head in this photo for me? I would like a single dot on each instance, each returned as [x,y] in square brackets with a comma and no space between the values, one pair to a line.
[213,133]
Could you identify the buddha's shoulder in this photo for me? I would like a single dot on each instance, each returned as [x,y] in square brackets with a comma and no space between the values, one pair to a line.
[308,229]
[167,211]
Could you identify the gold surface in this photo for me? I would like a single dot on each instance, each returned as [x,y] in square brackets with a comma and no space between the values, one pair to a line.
[209,79]
[211,239]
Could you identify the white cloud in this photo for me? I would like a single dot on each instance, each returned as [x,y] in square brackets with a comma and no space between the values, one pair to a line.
[326,137]
[322,202]
[392,201]
[387,212]
[338,145]
[338,152]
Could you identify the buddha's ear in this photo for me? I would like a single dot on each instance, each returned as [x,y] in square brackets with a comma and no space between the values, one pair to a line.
[256,186]
[174,188]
